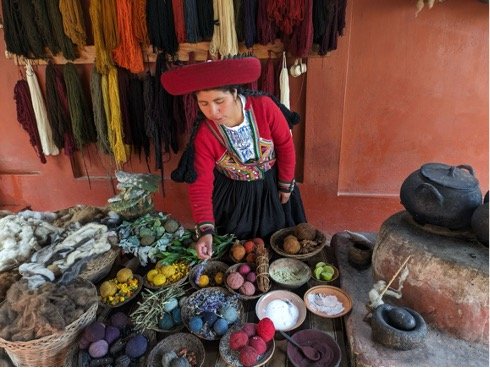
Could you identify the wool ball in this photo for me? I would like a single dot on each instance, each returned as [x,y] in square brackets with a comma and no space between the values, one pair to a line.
[195,324]
[258,344]
[266,329]
[209,318]
[249,329]
[244,269]
[230,314]
[166,322]
[251,276]
[220,326]
[248,356]
[247,288]
[94,332]
[177,315]
[238,340]
[235,280]
[119,320]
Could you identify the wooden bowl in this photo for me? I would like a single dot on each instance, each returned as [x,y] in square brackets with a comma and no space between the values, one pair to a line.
[326,291]
[209,268]
[288,298]
[234,268]
[135,293]
[210,299]
[289,273]
[277,240]
[175,343]
[232,357]
[315,282]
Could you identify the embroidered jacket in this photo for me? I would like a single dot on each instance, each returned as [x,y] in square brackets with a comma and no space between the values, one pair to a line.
[213,149]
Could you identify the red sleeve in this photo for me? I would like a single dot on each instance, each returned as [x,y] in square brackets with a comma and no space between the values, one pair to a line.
[283,141]
[201,191]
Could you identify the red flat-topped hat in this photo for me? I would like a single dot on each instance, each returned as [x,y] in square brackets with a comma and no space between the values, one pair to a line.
[211,74]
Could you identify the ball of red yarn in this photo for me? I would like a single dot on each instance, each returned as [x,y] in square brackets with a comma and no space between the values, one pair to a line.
[248,356]
[249,329]
[238,340]
[258,344]
[266,329]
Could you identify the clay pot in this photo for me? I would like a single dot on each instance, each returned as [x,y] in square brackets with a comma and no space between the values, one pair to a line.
[479,223]
[442,195]
[359,255]
[388,335]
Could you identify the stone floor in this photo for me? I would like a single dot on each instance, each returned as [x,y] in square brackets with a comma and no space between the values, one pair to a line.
[440,349]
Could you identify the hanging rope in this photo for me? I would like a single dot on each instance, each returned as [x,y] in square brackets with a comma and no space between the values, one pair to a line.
[138,8]
[26,118]
[179,20]
[40,113]
[44,26]
[302,37]
[81,117]
[284,82]
[286,14]
[103,58]
[56,22]
[57,107]
[266,30]
[191,21]
[224,41]
[73,22]
[128,53]
[205,15]
[249,26]
[98,111]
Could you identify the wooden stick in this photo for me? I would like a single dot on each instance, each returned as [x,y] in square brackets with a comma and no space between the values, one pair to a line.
[394,276]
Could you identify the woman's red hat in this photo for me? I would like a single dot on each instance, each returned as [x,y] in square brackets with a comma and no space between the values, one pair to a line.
[210,74]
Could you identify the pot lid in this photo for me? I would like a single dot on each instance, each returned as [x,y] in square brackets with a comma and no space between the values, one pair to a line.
[456,177]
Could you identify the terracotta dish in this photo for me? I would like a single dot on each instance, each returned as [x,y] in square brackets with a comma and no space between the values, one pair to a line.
[282,295]
[326,290]
[327,346]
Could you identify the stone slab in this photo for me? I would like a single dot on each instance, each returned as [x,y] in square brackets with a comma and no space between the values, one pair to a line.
[439,349]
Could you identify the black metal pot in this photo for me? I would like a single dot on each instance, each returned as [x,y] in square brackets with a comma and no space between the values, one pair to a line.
[479,222]
[442,195]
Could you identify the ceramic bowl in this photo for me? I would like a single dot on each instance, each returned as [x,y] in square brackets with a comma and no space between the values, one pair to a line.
[277,240]
[209,268]
[323,342]
[323,300]
[291,303]
[289,273]
[232,357]
[315,282]
[131,297]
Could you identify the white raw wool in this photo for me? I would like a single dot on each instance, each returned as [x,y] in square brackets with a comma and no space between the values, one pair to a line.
[328,304]
[284,315]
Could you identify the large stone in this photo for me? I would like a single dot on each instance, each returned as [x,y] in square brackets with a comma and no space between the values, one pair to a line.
[448,279]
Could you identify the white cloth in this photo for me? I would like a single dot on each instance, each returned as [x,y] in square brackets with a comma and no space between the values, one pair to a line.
[284,82]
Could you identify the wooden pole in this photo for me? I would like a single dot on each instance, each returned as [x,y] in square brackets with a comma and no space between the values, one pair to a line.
[394,276]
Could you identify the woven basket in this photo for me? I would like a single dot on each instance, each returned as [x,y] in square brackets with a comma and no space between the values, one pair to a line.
[173,344]
[277,240]
[100,266]
[53,350]
[257,294]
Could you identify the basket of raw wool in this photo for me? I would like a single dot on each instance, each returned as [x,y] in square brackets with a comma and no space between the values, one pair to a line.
[53,343]
[100,266]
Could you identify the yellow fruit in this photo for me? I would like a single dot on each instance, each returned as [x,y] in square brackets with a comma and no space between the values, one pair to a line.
[159,280]
[168,271]
[124,275]
[151,274]
[107,289]
[203,281]
[218,278]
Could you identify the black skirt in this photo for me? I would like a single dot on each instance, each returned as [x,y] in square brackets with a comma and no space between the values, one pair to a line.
[252,209]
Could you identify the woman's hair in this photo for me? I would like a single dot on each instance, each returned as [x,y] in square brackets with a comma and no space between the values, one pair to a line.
[185,171]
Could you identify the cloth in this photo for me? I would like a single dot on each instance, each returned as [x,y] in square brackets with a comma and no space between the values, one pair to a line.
[252,209]
[271,127]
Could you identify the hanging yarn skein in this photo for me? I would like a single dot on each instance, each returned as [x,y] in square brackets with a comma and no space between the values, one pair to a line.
[138,9]
[266,30]
[26,118]
[73,22]
[224,41]
[302,37]
[286,13]
[249,25]
[98,111]
[205,18]
[284,82]
[128,53]
[103,57]
[44,26]
[179,20]
[192,32]
[56,21]
[40,113]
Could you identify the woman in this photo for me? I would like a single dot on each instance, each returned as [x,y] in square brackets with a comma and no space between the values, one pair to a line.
[240,160]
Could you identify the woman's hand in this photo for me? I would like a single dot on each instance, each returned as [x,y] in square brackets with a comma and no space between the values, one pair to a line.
[284,197]
[204,246]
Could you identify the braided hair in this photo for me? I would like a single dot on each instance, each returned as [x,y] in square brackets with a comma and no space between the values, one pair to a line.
[185,171]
